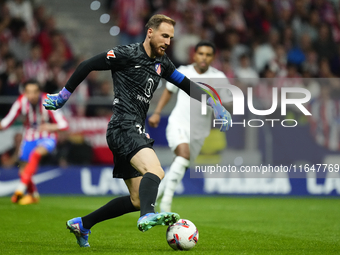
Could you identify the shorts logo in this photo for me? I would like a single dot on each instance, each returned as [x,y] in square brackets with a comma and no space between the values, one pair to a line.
[158,68]
[110,54]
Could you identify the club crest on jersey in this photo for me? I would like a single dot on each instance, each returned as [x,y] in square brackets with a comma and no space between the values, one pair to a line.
[110,54]
[158,68]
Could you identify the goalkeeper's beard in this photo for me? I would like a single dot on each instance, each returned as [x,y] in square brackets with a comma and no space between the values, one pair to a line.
[156,50]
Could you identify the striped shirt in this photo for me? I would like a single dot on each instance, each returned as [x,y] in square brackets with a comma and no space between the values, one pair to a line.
[34,117]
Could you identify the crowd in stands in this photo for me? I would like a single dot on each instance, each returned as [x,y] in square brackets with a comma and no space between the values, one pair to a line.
[31,46]
[255,39]
[291,38]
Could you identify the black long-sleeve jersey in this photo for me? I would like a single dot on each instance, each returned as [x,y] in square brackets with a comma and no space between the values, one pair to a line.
[135,77]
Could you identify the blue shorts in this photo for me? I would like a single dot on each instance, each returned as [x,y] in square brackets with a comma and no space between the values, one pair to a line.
[28,146]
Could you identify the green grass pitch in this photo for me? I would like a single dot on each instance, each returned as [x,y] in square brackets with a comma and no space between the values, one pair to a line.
[227,225]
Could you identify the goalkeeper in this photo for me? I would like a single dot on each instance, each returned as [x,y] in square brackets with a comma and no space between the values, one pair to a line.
[136,71]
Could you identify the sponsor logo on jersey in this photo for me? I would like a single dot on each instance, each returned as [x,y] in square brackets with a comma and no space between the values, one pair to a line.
[158,68]
[143,99]
[110,54]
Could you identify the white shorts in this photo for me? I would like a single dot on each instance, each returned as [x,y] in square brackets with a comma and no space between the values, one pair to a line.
[178,134]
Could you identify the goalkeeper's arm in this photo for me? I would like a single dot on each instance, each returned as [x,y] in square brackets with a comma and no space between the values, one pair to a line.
[96,63]
[196,92]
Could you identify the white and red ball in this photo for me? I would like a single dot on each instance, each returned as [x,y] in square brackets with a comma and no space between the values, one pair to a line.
[182,235]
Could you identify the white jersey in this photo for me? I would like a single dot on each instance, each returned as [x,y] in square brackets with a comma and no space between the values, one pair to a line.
[186,106]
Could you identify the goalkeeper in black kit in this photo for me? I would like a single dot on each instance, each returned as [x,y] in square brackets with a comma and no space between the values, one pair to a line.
[136,71]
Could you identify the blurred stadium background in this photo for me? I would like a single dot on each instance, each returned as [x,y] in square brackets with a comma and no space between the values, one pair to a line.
[256,40]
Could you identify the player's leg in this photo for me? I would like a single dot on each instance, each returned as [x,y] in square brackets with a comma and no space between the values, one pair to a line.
[32,196]
[175,135]
[30,155]
[33,152]
[21,188]
[133,187]
[117,206]
[27,174]
[178,139]
[147,163]
[32,189]
[175,175]
[36,150]
[161,187]
[81,226]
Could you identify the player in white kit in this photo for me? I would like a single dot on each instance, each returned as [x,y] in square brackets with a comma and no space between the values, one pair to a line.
[186,143]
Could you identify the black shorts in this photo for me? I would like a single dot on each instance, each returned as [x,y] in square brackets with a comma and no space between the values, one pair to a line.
[125,136]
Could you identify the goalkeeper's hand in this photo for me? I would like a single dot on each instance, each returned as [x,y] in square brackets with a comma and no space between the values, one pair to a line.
[56,101]
[220,113]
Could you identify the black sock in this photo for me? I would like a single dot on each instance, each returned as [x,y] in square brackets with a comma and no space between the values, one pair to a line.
[116,207]
[148,192]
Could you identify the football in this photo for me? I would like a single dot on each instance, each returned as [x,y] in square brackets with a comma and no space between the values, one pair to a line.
[182,235]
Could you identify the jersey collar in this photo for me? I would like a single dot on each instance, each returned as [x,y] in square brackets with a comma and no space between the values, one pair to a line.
[141,47]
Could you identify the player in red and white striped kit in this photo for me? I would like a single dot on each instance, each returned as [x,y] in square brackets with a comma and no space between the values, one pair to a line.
[39,139]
